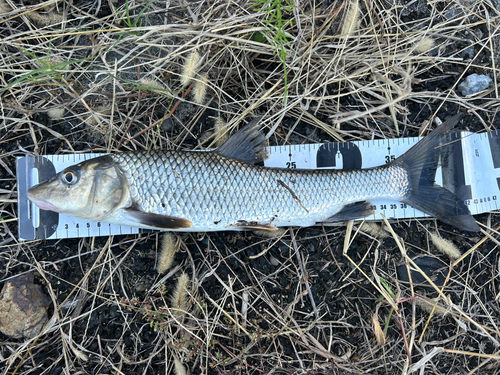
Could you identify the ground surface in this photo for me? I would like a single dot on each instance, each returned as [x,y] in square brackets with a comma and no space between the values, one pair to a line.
[83,75]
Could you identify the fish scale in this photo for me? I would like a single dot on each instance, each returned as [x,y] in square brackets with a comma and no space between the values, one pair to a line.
[215,193]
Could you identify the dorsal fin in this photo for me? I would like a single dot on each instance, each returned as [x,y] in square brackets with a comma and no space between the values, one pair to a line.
[248,145]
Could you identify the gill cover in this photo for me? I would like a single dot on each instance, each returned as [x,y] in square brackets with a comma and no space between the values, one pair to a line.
[90,190]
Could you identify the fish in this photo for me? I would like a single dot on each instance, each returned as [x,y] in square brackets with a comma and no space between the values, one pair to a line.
[229,189]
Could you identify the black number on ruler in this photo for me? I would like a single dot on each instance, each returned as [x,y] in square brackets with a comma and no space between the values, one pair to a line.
[351,156]
[389,158]
[291,164]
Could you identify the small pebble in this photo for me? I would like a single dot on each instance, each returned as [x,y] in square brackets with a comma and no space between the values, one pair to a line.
[474,83]
[468,53]
[23,308]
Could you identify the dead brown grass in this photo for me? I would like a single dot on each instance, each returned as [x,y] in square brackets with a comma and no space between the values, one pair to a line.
[304,302]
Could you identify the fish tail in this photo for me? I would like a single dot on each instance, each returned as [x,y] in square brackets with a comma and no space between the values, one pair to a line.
[420,162]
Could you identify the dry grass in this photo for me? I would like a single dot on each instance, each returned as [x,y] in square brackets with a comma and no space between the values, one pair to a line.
[87,75]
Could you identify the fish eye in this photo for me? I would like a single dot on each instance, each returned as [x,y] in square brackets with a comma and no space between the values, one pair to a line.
[70,177]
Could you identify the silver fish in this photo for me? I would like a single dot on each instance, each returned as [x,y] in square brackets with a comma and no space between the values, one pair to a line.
[225,189]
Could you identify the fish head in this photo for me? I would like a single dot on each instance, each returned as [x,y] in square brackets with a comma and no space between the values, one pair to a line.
[92,190]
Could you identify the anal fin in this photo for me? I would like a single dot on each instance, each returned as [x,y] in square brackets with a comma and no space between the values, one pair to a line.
[352,211]
[157,220]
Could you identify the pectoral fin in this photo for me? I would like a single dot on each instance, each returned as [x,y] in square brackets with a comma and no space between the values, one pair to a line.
[352,211]
[158,221]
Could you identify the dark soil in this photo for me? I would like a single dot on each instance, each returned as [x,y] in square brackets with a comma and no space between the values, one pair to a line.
[113,307]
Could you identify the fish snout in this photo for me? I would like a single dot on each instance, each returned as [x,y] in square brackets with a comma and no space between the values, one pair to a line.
[40,203]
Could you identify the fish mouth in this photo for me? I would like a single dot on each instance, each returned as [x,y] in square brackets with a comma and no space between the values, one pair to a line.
[41,204]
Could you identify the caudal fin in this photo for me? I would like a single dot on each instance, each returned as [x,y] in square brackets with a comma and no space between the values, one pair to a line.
[421,162]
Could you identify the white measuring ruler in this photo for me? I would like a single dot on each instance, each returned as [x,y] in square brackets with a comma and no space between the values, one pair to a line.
[471,170]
